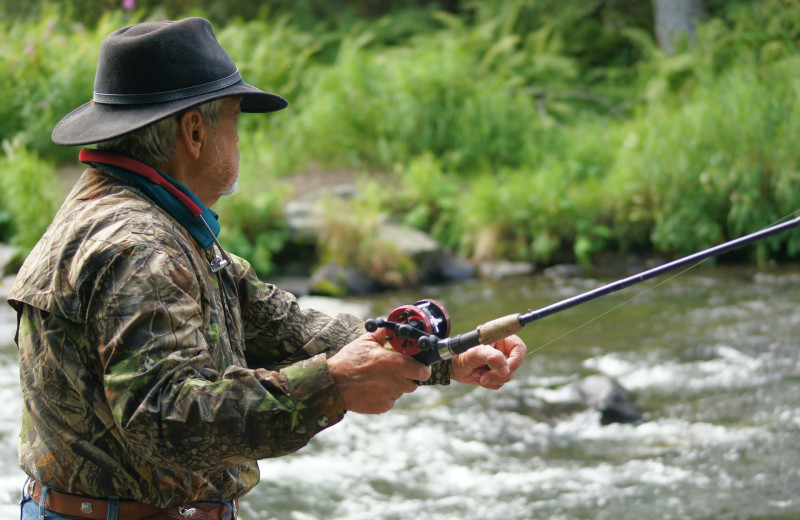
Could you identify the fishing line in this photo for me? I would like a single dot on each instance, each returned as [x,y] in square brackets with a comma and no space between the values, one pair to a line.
[612,309]
[421,330]
[642,293]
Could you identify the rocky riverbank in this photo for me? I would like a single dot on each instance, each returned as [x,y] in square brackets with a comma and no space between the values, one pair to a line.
[433,263]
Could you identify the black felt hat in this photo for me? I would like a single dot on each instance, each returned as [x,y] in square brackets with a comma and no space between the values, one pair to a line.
[152,70]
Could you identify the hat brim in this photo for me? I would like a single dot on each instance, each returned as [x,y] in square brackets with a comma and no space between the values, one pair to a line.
[97,122]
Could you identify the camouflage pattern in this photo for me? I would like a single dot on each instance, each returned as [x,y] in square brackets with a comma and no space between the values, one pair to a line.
[145,375]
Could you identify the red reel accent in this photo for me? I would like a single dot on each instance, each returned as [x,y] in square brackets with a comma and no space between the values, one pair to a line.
[411,315]
[428,316]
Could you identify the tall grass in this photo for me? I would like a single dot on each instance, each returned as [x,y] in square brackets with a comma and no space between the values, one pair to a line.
[722,164]
[377,109]
[536,130]
[47,68]
[554,210]
[29,195]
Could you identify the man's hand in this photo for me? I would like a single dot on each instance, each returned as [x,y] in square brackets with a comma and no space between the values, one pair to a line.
[370,377]
[489,366]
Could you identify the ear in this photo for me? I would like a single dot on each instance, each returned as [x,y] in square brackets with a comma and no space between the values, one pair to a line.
[191,132]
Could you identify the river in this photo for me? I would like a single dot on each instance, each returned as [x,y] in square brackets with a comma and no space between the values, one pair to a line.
[711,355]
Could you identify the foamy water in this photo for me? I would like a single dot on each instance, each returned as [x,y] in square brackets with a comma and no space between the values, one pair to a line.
[11,477]
[712,359]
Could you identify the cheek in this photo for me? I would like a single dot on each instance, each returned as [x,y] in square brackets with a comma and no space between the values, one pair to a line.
[233,160]
[233,141]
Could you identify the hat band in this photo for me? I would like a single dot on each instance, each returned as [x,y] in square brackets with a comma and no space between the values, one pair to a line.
[168,95]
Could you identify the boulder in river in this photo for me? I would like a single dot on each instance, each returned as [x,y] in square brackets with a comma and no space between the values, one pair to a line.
[615,403]
[600,392]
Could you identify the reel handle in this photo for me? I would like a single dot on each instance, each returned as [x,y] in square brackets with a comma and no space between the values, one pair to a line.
[425,342]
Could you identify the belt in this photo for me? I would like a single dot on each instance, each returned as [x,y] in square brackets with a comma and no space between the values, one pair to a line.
[76,506]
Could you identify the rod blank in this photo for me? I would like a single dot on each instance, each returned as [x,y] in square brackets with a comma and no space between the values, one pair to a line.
[530,316]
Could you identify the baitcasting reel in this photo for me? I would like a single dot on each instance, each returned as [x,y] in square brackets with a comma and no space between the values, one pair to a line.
[415,330]
[422,331]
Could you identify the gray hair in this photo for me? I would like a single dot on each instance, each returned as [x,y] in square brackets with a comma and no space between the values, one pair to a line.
[155,144]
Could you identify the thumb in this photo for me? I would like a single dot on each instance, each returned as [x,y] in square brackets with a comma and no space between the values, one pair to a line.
[379,336]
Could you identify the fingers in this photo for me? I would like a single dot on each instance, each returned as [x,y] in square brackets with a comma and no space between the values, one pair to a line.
[496,361]
[409,368]
[370,378]
[490,366]
[379,336]
[497,372]
[514,349]
[406,366]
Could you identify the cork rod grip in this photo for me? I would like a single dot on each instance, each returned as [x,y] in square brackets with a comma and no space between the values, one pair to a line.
[499,328]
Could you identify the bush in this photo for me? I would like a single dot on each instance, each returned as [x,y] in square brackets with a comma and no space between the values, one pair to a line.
[722,164]
[542,130]
[28,195]
[253,227]
[47,68]
[381,108]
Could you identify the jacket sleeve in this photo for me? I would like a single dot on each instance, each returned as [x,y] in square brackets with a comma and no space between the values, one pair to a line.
[179,401]
[278,332]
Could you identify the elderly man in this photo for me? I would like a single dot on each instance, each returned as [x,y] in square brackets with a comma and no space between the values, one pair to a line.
[156,369]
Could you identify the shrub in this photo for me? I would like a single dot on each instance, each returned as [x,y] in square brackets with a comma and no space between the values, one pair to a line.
[47,68]
[380,108]
[722,164]
[28,196]
[351,235]
[253,226]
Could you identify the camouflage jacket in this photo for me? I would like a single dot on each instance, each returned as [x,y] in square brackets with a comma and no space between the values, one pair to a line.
[145,375]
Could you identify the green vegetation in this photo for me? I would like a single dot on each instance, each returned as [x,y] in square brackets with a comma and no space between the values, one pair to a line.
[536,130]
[28,197]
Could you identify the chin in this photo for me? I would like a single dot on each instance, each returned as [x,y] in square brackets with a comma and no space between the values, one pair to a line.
[230,190]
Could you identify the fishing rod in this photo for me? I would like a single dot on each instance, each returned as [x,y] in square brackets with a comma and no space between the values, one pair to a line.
[422,330]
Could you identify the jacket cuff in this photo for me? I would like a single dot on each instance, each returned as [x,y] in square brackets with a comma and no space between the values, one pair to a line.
[440,374]
[319,403]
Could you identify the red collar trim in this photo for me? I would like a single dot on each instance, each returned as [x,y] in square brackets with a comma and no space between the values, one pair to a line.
[88,155]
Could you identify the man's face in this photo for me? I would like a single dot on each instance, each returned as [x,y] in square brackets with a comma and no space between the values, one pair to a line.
[223,174]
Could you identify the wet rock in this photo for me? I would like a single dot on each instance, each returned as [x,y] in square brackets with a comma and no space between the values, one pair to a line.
[433,262]
[599,392]
[604,393]
[413,242]
[454,268]
[339,280]
[302,217]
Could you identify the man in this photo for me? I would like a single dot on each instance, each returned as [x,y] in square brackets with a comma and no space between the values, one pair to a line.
[156,369]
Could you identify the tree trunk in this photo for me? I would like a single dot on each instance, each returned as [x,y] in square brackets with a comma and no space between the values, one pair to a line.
[675,19]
